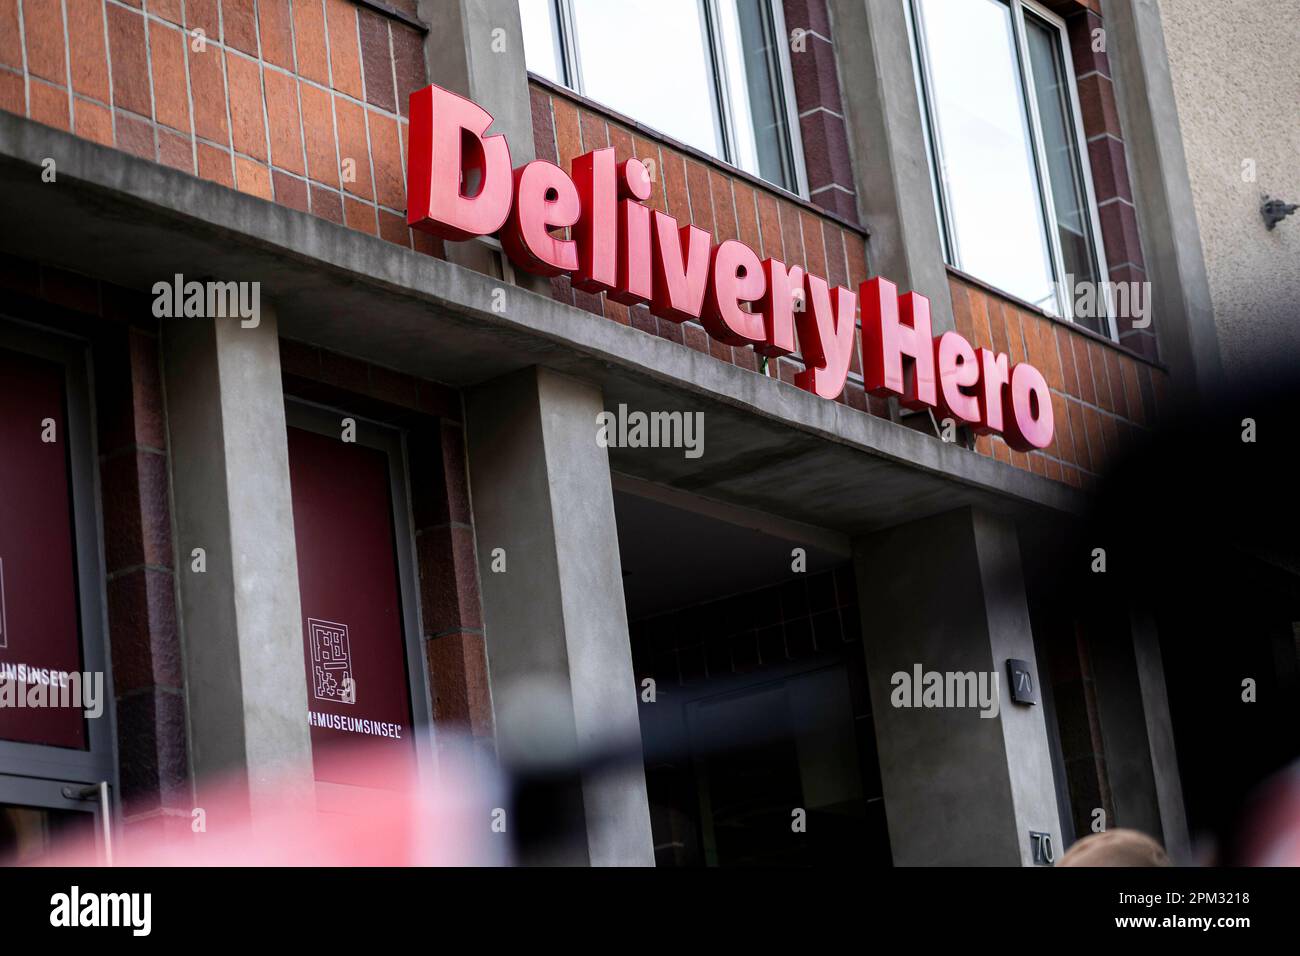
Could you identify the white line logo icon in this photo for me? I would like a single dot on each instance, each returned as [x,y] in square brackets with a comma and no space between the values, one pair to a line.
[331,661]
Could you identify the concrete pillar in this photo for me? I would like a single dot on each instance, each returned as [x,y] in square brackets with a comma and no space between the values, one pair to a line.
[891,162]
[960,789]
[559,657]
[1180,290]
[1132,714]
[240,621]
[476,48]
[1160,740]
[466,55]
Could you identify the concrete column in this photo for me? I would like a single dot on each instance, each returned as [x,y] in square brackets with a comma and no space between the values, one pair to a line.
[1160,740]
[559,657]
[1132,713]
[476,48]
[890,160]
[960,789]
[1162,191]
[466,54]
[240,621]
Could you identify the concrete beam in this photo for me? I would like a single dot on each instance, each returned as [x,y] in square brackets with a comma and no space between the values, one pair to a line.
[559,656]
[891,162]
[240,620]
[1182,308]
[960,789]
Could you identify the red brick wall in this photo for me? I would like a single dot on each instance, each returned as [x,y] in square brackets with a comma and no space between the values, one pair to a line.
[273,97]
[1101,393]
[825,138]
[1108,160]
[712,196]
[144,644]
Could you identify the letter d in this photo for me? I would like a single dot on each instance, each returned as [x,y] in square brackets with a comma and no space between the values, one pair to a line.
[458,181]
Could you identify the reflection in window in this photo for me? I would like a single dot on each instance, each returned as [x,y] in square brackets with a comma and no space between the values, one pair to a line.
[647,58]
[709,73]
[987,160]
[541,39]
[1064,166]
[1014,197]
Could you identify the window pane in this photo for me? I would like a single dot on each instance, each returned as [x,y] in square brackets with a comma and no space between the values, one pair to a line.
[755,92]
[541,39]
[987,161]
[650,60]
[1055,111]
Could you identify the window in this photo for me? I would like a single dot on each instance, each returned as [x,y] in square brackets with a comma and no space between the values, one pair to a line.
[1012,188]
[51,595]
[714,74]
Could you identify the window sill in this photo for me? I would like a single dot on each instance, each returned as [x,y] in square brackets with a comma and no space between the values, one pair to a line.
[695,153]
[1072,326]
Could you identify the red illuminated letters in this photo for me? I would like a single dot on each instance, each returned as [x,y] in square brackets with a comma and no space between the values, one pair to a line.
[736,277]
[1030,423]
[958,370]
[826,333]
[994,378]
[634,269]
[596,233]
[545,199]
[777,307]
[896,334]
[681,269]
[458,181]
[461,186]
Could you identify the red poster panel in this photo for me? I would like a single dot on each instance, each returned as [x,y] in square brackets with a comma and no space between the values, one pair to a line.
[40,633]
[354,649]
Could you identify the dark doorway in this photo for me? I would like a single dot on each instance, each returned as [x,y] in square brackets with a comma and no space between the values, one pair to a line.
[759,743]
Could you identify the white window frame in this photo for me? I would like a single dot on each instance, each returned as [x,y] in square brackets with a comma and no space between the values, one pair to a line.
[564,37]
[934,143]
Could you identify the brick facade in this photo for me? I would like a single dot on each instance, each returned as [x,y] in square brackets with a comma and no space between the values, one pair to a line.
[198,87]
[1101,393]
[1107,157]
[704,192]
[827,156]
[298,101]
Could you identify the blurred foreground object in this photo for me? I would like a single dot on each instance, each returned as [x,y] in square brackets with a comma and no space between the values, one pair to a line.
[1269,831]
[444,817]
[1115,848]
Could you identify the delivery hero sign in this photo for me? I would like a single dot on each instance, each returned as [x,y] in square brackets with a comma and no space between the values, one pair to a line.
[461,185]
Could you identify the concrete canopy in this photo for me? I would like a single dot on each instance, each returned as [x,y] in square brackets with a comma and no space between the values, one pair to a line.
[768,445]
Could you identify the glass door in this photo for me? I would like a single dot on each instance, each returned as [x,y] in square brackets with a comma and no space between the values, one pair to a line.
[39,817]
[57,765]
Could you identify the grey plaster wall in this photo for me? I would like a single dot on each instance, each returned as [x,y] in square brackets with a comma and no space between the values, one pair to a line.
[1233,67]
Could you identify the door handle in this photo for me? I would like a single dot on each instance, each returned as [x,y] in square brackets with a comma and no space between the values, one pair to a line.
[98,792]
